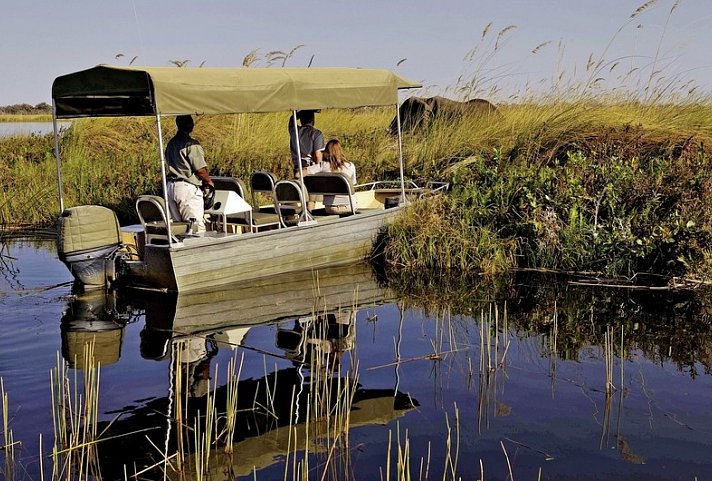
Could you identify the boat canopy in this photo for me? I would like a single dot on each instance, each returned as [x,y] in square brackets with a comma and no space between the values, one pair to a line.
[108,91]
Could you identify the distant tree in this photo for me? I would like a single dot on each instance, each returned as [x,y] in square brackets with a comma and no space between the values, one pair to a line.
[26,109]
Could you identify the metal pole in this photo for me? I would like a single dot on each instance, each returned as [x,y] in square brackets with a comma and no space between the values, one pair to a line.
[305,215]
[400,153]
[57,158]
[163,179]
[296,142]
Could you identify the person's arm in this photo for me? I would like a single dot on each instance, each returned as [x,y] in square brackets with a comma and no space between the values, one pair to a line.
[319,147]
[203,176]
[196,155]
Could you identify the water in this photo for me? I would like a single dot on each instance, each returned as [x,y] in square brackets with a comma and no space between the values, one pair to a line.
[518,383]
[29,128]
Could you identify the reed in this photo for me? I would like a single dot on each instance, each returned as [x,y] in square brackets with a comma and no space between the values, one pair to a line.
[8,447]
[608,359]
[405,458]
[233,380]
[75,410]
[561,196]
[494,346]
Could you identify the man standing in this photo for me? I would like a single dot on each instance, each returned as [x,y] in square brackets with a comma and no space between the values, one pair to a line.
[311,141]
[187,175]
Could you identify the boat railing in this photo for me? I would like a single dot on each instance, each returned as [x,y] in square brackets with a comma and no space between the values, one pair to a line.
[385,184]
[437,186]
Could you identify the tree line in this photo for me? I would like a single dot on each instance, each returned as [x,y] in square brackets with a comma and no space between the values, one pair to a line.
[18,109]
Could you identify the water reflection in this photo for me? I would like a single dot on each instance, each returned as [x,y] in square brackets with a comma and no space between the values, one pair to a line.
[663,324]
[93,317]
[308,391]
[560,373]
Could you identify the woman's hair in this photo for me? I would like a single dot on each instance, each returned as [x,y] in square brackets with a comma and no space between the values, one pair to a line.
[334,154]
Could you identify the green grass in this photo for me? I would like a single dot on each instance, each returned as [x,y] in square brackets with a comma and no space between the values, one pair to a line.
[611,186]
[26,117]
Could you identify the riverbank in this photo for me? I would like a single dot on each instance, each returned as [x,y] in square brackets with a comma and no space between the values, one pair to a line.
[613,188]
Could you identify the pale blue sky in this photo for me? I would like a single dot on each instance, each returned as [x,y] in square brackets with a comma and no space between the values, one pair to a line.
[43,39]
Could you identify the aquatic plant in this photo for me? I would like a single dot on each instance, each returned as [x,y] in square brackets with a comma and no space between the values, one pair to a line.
[75,412]
[8,446]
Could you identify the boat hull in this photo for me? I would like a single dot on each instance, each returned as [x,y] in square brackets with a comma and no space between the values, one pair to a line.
[202,263]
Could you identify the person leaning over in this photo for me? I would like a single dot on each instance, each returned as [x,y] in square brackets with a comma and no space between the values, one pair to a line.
[187,175]
[335,161]
[311,141]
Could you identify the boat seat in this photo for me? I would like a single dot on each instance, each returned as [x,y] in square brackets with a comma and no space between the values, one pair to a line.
[331,183]
[263,217]
[288,202]
[236,185]
[263,182]
[230,183]
[152,215]
[321,215]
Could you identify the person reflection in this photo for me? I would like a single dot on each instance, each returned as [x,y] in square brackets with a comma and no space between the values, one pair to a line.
[194,354]
[319,341]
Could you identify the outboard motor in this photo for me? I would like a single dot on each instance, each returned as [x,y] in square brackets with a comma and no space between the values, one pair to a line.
[88,239]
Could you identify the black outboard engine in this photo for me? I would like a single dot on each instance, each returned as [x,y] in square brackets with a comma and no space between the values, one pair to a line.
[88,239]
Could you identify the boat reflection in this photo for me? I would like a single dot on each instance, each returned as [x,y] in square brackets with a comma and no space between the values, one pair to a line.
[311,393]
[93,318]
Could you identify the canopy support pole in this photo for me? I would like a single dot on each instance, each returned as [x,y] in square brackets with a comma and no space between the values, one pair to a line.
[57,158]
[163,179]
[400,153]
[306,216]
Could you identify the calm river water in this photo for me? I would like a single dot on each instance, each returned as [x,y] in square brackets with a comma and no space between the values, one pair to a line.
[517,383]
[29,128]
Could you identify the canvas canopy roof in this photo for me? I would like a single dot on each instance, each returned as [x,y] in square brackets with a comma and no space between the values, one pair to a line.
[106,91]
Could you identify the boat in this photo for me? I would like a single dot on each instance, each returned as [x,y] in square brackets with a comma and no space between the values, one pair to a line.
[167,256]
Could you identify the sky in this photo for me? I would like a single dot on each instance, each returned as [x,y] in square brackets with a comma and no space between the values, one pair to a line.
[457,48]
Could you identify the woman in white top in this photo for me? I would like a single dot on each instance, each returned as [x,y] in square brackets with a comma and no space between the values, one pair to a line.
[334,160]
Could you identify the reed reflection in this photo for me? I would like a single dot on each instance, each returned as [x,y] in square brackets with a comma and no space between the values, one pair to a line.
[215,419]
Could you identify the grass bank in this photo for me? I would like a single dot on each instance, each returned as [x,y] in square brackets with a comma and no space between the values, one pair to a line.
[612,187]
[25,117]
[615,189]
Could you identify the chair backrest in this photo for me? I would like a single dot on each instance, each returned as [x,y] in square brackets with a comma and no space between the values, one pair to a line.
[288,202]
[152,215]
[229,183]
[150,208]
[261,181]
[330,183]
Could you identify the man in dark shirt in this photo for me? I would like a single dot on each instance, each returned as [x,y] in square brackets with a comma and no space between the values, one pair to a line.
[311,141]
[188,175]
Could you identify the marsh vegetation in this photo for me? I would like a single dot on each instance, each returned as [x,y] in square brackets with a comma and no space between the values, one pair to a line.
[610,188]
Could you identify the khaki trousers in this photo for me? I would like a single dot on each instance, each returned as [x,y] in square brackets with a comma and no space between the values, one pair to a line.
[185,201]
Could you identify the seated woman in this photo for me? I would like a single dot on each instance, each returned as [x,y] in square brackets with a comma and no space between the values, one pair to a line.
[334,160]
